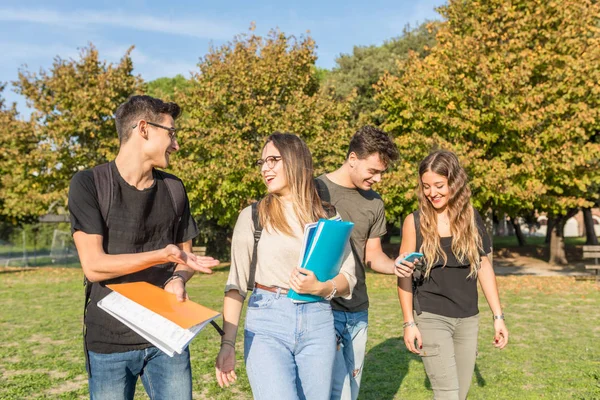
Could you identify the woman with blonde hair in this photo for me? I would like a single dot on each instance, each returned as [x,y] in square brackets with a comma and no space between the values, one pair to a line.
[289,348]
[439,303]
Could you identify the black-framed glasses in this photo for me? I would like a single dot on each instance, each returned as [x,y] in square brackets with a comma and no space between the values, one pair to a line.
[270,161]
[172,131]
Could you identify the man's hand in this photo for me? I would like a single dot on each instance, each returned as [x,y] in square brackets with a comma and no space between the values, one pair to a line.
[178,256]
[403,268]
[177,287]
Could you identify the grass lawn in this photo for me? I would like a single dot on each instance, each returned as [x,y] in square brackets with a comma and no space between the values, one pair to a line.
[554,349]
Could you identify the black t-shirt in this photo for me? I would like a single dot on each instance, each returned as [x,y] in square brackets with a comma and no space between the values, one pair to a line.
[138,221]
[448,291]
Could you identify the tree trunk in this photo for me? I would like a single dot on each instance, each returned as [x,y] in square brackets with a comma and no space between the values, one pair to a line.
[558,256]
[590,234]
[390,228]
[518,231]
[550,224]
[557,243]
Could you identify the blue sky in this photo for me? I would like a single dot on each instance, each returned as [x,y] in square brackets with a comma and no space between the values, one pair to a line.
[170,37]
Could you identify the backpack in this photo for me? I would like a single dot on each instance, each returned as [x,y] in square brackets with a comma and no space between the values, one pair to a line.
[329,209]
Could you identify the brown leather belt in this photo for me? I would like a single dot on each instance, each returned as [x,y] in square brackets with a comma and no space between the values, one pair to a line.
[273,289]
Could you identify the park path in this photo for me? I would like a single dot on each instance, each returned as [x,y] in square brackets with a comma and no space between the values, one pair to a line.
[523,265]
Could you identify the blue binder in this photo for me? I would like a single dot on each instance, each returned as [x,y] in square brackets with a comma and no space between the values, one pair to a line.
[323,252]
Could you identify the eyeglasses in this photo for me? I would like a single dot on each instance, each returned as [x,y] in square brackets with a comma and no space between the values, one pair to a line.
[270,161]
[172,131]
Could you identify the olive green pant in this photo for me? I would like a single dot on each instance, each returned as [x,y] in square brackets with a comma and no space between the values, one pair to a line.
[448,353]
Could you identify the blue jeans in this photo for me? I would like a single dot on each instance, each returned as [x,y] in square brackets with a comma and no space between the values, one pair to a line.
[113,376]
[351,329]
[288,348]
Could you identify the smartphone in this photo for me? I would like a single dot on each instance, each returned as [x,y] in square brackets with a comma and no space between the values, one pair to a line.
[412,257]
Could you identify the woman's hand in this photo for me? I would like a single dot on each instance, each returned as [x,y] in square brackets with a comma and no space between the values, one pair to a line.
[304,281]
[501,334]
[412,333]
[225,365]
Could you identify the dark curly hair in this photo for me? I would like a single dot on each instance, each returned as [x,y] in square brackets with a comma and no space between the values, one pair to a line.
[141,107]
[370,140]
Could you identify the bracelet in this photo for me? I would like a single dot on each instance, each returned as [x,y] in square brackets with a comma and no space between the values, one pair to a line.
[176,275]
[409,324]
[228,342]
[333,292]
[501,316]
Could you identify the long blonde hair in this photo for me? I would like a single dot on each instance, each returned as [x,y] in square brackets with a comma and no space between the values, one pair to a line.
[466,240]
[298,170]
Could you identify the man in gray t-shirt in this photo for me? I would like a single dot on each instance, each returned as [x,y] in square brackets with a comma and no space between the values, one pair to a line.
[348,188]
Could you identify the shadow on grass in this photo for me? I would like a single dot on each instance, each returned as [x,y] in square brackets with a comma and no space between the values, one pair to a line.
[479,379]
[12,270]
[386,365]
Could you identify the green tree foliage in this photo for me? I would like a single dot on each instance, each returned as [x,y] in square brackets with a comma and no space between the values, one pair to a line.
[17,140]
[244,91]
[167,88]
[72,127]
[514,89]
[361,70]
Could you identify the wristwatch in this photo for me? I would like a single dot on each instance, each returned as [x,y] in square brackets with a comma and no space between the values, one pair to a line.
[176,275]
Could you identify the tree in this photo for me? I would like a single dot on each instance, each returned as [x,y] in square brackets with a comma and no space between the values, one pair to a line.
[167,89]
[72,127]
[361,70]
[17,140]
[244,91]
[513,89]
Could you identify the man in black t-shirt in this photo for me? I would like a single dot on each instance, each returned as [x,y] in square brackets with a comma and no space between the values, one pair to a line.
[141,238]
[349,189]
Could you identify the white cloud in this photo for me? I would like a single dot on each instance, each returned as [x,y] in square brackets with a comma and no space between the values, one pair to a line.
[199,27]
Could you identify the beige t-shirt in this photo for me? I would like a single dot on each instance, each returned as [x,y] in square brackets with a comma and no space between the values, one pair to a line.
[277,254]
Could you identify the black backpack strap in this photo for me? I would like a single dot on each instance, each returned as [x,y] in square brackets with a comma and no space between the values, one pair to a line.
[103,180]
[178,198]
[257,234]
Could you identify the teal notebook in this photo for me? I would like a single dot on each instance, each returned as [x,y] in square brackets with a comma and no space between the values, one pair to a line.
[322,252]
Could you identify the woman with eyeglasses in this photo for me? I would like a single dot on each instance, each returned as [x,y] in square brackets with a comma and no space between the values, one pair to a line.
[441,313]
[289,348]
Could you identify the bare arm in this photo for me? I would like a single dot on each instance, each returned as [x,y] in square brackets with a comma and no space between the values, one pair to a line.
[376,259]
[487,280]
[304,281]
[225,364]
[405,294]
[408,245]
[99,266]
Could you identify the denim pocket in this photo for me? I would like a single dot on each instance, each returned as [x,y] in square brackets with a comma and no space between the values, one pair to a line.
[260,301]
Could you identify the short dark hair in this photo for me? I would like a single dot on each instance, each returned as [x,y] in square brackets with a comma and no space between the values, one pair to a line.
[141,107]
[370,140]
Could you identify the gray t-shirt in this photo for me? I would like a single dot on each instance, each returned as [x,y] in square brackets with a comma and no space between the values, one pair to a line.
[366,210]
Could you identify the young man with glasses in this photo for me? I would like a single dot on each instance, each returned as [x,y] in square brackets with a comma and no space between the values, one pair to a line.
[349,189]
[140,237]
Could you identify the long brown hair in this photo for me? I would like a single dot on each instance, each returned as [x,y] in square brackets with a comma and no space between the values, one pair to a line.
[298,170]
[466,240]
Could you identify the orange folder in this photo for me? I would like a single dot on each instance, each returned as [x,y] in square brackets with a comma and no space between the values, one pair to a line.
[186,314]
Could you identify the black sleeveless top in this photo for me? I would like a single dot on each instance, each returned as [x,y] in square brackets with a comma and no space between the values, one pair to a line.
[448,291]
